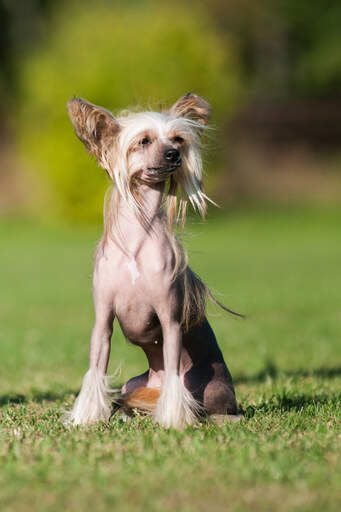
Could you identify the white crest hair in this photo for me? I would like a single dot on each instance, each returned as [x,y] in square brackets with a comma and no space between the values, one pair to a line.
[187,180]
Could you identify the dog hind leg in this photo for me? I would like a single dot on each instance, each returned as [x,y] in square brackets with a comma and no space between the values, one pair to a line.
[135,382]
[142,398]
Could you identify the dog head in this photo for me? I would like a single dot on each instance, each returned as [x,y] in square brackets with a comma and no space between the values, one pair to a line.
[147,147]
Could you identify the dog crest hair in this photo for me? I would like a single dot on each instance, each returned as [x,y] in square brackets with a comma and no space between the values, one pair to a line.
[109,138]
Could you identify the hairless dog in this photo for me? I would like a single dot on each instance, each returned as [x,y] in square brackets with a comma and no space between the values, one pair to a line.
[141,276]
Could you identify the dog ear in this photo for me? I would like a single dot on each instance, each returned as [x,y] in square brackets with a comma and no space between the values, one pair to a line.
[193,107]
[95,126]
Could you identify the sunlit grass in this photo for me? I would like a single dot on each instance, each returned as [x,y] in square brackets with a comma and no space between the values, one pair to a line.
[281,268]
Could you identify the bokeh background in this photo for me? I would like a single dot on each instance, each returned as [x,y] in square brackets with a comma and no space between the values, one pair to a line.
[271,69]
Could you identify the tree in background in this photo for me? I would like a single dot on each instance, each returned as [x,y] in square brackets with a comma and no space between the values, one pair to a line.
[120,54]
[116,56]
[287,48]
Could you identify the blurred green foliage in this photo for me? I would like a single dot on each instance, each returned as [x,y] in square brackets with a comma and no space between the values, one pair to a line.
[288,49]
[314,46]
[118,56]
[142,52]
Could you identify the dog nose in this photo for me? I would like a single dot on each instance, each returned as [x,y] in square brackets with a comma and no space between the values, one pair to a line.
[172,155]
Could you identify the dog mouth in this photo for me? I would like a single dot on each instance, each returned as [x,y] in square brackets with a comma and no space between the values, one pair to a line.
[165,169]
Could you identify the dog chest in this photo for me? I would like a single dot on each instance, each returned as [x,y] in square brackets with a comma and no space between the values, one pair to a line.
[138,322]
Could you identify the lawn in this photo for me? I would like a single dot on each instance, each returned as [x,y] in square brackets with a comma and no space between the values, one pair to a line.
[279,266]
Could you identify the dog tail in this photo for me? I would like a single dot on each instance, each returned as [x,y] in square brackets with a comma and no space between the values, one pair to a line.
[141,398]
[217,303]
[195,292]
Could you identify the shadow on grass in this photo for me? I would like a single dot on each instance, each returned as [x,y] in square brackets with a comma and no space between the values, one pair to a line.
[271,371]
[34,396]
[280,402]
[285,402]
[309,404]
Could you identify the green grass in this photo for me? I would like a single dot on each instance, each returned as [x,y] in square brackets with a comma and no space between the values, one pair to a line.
[280,267]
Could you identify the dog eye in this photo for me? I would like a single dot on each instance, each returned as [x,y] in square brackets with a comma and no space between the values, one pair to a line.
[145,141]
[178,139]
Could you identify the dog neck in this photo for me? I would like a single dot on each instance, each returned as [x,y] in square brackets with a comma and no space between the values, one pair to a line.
[133,231]
[151,197]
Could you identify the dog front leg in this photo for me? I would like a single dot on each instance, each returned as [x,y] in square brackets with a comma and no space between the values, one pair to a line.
[176,406]
[94,400]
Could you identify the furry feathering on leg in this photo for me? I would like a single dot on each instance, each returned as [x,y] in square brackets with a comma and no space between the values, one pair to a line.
[176,406]
[93,402]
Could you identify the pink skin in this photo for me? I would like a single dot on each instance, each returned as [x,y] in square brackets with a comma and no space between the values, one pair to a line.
[146,308]
[135,284]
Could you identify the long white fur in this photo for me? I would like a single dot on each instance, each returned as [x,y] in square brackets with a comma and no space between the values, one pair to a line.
[176,406]
[190,178]
[93,402]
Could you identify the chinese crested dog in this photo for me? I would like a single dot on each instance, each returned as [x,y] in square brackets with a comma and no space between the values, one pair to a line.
[141,274]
